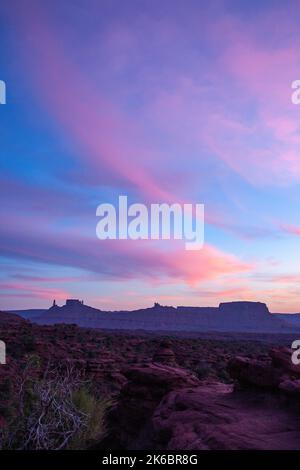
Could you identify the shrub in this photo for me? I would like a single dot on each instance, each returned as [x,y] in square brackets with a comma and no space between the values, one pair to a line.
[53,412]
[202,370]
[95,410]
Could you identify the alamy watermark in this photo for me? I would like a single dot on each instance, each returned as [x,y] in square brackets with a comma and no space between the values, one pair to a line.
[296,354]
[2,92]
[158,222]
[2,352]
[295,96]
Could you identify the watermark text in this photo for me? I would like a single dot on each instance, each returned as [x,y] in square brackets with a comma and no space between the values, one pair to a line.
[2,92]
[2,352]
[158,222]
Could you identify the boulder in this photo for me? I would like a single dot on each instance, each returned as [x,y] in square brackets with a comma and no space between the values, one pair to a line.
[164,354]
[147,385]
[282,358]
[290,387]
[211,417]
[254,372]
[167,408]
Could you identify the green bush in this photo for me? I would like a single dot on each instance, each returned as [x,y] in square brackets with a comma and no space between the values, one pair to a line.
[95,410]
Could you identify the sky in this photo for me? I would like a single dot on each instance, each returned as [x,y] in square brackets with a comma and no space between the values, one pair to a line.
[163,101]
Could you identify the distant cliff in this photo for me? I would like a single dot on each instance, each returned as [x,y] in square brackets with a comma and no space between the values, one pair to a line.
[228,317]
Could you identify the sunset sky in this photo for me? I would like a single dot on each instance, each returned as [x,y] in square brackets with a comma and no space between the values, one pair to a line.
[162,101]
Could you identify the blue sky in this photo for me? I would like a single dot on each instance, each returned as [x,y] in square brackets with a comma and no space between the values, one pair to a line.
[164,102]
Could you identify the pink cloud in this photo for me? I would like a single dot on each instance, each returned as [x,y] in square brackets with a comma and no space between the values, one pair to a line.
[119,259]
[292,229]
[106,138]
[28,290]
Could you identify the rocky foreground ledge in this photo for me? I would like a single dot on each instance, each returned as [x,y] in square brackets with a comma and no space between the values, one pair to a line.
[163,406]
